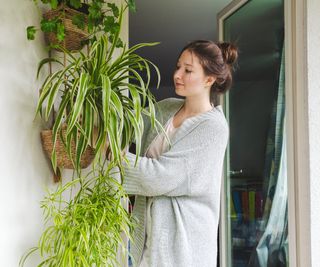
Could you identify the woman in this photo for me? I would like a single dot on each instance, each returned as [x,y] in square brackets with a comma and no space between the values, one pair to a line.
[177,187]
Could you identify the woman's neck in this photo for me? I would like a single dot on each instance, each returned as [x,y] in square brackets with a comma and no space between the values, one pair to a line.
[194,107]
[190,109]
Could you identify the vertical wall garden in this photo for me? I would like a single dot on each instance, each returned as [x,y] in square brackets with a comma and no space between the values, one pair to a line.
[94,103]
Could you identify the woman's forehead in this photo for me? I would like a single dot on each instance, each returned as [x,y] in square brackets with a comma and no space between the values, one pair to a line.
[188,58]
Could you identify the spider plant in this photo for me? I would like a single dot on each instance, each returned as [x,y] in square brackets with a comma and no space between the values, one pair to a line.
[85,230]
[88,93]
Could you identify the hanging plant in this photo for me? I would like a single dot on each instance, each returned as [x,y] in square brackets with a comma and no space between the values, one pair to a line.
[87,97]
[86,229]
[73,23]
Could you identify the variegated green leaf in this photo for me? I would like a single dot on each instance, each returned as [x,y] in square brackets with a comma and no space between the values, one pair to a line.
[138,133]
[45,61]
[117,104]
[106,95]
[81,93]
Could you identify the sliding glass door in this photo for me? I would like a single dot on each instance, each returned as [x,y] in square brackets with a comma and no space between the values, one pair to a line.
[255,223]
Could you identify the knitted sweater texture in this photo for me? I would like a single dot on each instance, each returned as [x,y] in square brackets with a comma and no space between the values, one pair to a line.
[185,185]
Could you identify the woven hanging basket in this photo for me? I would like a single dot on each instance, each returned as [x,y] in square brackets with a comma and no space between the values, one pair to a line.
[63,160]
[74,36]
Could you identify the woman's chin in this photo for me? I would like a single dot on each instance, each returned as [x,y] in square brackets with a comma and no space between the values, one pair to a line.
[178,92]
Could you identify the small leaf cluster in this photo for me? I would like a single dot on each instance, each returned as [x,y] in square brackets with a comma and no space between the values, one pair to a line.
[96,16]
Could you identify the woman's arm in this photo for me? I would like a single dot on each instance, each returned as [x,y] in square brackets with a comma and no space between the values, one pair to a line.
[172,173]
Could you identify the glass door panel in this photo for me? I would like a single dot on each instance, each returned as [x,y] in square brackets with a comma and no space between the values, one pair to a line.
[256,181]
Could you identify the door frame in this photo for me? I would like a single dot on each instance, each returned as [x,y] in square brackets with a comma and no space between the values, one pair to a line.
[297,133]
[296,86]
[224,226]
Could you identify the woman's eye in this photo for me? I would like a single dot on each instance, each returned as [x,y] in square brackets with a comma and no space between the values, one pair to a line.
[188,71]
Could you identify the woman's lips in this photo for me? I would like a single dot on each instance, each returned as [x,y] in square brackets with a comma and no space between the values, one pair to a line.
[179,84]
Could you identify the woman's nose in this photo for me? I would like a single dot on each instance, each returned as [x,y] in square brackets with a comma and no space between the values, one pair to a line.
[177,74]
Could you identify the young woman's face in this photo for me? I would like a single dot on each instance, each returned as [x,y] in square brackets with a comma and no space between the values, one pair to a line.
[189,78]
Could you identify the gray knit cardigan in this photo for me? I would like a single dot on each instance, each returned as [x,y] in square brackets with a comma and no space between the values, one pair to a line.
[185,185]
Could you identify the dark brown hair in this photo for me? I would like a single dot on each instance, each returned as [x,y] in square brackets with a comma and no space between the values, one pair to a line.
[216,59]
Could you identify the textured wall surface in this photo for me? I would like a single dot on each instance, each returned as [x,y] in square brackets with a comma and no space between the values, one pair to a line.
[24,170]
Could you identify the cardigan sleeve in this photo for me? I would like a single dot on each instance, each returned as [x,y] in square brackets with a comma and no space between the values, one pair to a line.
[170,174]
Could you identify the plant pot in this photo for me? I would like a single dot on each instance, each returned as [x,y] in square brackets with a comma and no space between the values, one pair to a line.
[63,159]
[74,37]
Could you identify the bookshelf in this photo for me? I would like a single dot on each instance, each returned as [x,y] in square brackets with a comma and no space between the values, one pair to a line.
[246,216]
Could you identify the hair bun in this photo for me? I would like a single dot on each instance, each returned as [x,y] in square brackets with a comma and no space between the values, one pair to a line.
[229,52]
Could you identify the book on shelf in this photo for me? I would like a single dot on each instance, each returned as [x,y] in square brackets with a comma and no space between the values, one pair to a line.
[259,204]
[252,201]
[236,197]
[246,204]
[232,211]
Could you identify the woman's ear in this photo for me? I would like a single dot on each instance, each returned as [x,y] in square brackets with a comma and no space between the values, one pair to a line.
[210,80]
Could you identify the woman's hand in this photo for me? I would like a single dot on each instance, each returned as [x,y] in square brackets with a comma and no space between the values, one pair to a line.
[106,146]
[109,154]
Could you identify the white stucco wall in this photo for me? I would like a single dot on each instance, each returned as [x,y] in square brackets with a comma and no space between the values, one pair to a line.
[24,171]
[313,44]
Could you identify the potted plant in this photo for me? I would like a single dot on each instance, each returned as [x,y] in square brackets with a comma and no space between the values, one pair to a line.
[88,97]
[85,228]
[73,23]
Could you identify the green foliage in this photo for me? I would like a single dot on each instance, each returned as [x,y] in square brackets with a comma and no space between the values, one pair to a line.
[31,31]
[114,8]
[132,5]
[49,25]
[100,18]
[52,3]
[87,95]
[91,93]
[86,229]
[75,3]
[79,21]
[89,90]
